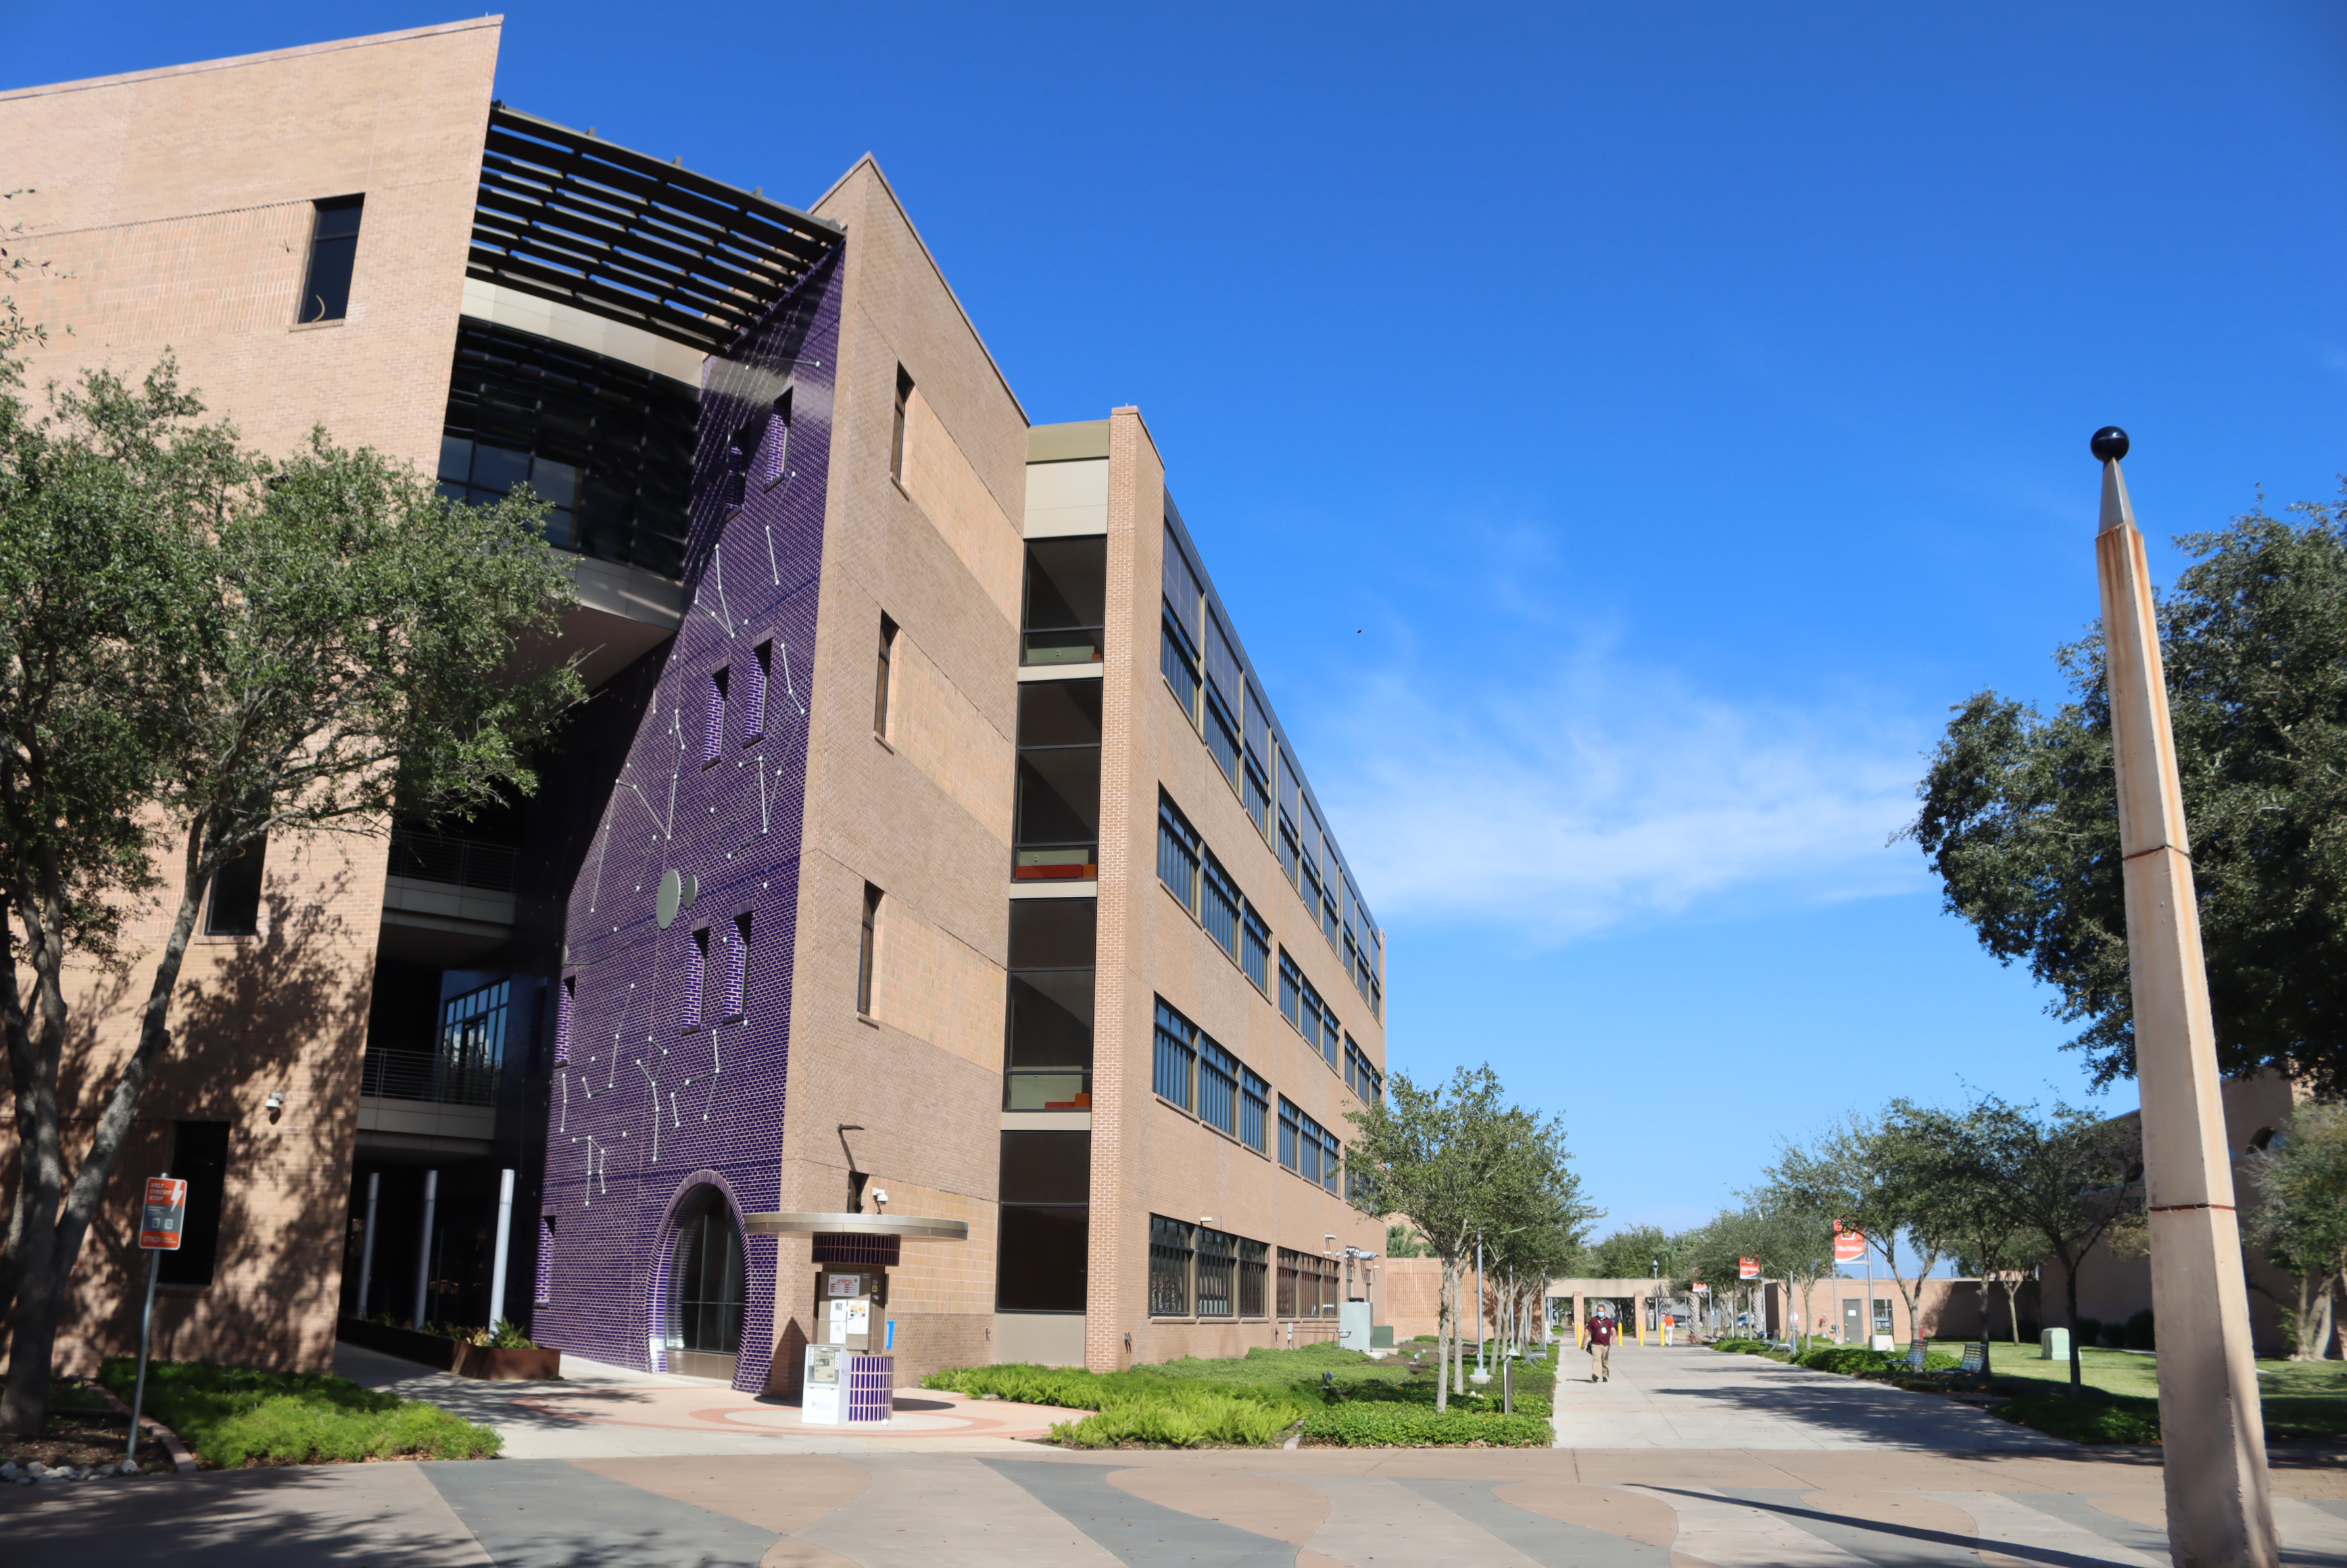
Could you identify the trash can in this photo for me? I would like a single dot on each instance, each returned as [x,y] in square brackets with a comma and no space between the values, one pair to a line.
[2053,1345]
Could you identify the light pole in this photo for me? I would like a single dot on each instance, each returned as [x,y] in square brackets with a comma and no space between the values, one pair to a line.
[2213,1453]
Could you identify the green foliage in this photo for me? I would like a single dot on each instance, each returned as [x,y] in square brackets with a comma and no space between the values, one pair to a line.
[2019,817]
[1192,1416]
[1631,1253]
[2094,1418]
[233,1417]
[2300,1217]
[1858,1362]
[1403,1242]
[1360,1424]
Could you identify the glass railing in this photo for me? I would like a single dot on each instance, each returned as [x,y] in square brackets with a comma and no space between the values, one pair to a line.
[1048,1089]
[1061,645]
[1055,863]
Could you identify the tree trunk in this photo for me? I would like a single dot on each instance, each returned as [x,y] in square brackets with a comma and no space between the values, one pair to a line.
[55,1231]
[2322,1345]
[1444,1336]
[2012,1307]
[2077,1352]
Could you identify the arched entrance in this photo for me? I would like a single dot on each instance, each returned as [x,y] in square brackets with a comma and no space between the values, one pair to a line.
[708,1288]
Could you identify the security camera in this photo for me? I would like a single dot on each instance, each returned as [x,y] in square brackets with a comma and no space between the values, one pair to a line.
[878,1196]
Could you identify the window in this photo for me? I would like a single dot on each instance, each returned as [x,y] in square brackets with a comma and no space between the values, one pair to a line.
[776,467]
[880,680]
[1363,1079]
[235,905]
[737,967]
[472,1050]
[712,718]
[334,254]
[1255,1107]
[897,434]
[544,1294]
[1301,1005]
[696,980]
[1306,1148]
[1258,791]
[864,951]
[1251,1272]
[1049,1056]
[565,1008]
[1170,1252]
[1185,600]
[1291,990]
[1066,605]
[1224,699]
[1045,1236]
[1218,1086]
[1307,1285]
[758,674]
[1254,948]
[1219,905]
[1177,853]
[1055,834]
[1177,1051]
[1217,1273]
[200,1158]
[1291,1136]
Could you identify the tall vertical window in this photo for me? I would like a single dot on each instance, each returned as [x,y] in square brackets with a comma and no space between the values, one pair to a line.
[1055,835]
[775,454]
[1177,1056]
[544,1294]
[200,1158]
[1254,1108]
[1219,904]
[737,967]
[1046,1221]
[757,674]
[1184,601]
[896,432]
[1225,699]
[1291,1136]
[1218,1086]
[1217,1273]
[1170,1252]
[1251,1272]
[334,254]
[234,907]
[712,717]
[1291,990]
[1177,853]
[696,981]
[864,949]
[1049,1056]
[881,678]
[1066,609]
[1258,762]
[1254,948]
[565,1008]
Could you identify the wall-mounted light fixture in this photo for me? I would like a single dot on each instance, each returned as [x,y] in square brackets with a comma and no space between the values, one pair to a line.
[274,1104]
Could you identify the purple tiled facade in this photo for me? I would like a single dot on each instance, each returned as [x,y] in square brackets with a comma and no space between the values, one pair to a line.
[661,1088]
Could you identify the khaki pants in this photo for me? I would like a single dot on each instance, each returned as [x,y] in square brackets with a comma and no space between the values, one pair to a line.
[1598,1358]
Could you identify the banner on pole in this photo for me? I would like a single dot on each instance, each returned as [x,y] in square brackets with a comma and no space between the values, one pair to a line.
[166,1216]
[1848,1245]
[1747,1269]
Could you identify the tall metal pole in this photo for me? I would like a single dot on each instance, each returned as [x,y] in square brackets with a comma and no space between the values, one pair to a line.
[424,1243]
[2212,1428]
[366,1242]
[505,1243]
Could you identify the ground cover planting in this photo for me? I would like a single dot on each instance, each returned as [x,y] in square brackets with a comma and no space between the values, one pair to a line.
[1324,1394]
[230,1417]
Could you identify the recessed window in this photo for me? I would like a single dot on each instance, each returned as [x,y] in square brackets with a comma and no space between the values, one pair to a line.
[565,1008]
[333,253]
[864,949]
[1055,828]
[758,676]
[696,980]
[1046,1222]
[712,716]
[235,908]
[200,1158]
[737,967]
[1066,608]
[1049,1053]
[897,435]
[882,676]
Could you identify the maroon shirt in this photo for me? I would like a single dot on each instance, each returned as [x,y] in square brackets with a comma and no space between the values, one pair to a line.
[1600,1331]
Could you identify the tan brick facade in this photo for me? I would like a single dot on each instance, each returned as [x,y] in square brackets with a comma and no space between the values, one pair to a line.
[174,210]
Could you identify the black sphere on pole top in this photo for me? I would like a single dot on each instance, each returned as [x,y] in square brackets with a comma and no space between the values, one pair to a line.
[2109,444]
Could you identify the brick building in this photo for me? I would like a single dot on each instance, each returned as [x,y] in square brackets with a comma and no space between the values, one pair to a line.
[928,831]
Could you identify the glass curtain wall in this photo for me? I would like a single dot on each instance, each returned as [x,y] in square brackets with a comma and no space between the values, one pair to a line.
[1056,832]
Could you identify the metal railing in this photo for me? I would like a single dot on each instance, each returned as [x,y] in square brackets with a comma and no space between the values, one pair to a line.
[461,862]
[428,1076]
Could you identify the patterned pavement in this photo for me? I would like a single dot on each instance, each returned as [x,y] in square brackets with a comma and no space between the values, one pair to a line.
[1848,1481]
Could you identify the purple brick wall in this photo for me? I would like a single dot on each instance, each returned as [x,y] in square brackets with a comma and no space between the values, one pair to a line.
[646,1111]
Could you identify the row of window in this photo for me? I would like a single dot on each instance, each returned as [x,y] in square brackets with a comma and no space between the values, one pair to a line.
[1196,1271]
[1307,1148]
[1301,1005]
[769,662]
[716,977]
[1192,1070]
[1200,664]
[1192,875]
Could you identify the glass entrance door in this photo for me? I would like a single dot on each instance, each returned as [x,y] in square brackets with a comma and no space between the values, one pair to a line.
[705,1335]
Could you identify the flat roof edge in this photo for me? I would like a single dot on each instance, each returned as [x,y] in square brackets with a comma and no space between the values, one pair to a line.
[158,73]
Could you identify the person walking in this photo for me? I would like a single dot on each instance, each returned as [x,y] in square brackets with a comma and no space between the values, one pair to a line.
[1601,1348]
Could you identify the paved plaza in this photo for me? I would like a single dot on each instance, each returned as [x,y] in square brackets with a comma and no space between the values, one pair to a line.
[1685,1458]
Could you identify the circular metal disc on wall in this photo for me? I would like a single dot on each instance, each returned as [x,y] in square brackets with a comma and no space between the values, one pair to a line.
[672,898]
[911,1227]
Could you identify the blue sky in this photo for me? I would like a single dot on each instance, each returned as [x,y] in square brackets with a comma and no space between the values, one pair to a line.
[1620,433]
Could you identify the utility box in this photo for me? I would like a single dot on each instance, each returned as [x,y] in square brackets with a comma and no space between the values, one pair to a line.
[1353,1325]
[850,1372]
[851,1309]
[2053,1345]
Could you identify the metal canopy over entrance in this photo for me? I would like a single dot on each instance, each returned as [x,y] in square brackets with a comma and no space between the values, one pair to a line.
[567,216]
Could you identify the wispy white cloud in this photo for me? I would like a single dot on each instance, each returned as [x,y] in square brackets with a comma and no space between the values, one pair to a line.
[1605,795]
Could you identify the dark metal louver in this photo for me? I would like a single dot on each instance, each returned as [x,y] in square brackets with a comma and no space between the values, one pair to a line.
[568,217]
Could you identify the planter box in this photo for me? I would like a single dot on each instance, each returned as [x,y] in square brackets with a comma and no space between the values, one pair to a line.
[533,1365]
[453,1355]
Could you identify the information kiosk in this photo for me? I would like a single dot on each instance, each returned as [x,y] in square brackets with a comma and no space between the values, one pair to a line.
[851,1360]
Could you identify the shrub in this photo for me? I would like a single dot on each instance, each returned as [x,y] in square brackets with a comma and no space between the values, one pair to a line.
[2140,1333]
[1364,1423]
[2090,1419]
[2031,1331]
[230,1415]
[1182,1418]
[2086,1331]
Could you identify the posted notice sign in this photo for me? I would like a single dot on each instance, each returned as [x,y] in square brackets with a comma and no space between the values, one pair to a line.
[1747,1269]
[1849,1245]
[166,1216]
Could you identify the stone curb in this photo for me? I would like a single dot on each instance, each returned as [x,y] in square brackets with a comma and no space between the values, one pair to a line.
[182,1462]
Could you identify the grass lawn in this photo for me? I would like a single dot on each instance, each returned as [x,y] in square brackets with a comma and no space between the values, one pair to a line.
[233,1417]
[2303,1399]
